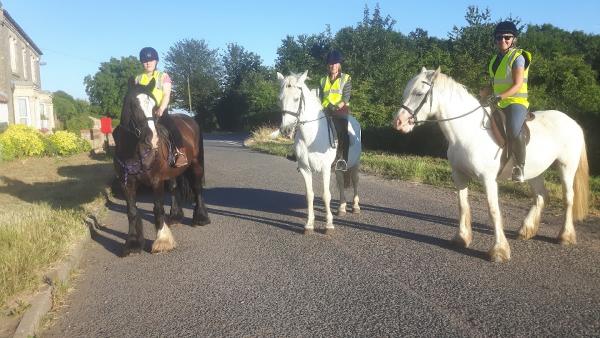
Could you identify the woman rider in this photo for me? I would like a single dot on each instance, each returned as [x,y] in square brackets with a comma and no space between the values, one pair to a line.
[335,99]
[509,70]
[162,95]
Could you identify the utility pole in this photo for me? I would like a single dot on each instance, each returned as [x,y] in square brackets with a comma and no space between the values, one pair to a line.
[188,88]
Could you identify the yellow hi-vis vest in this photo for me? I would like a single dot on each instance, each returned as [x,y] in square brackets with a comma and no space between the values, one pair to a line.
[503,77]
[157,92]
[332,92]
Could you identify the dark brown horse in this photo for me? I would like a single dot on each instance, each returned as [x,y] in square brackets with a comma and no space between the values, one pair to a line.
[142,156]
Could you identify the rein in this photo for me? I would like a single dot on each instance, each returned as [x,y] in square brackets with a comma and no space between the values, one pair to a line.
[414,113]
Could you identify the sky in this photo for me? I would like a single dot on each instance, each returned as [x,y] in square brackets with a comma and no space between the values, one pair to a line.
[76,36]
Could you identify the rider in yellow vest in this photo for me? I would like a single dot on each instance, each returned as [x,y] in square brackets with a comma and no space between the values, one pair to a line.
[509,69]
[162,94]
[335,99]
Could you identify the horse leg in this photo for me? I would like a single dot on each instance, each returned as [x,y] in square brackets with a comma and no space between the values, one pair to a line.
[531,223]
[195,175]
[135,237]
[500,252]
[309,227]
[354,172]
[339,177]
[164,238]
[176,213]
[327,200]
[464,236]
[567,234]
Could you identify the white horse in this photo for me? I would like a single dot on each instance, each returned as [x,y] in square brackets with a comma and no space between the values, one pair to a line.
[472,153]
[314,145]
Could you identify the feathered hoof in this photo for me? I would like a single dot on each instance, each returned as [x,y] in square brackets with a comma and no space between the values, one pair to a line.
[329,231]
[356,210]
[309,231]
[526,233]
[499,254]
[341,212]
[461,242]
[567,239]
[163,245]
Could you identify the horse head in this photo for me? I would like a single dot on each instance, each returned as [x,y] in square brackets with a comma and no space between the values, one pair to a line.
[137,133]
[291,100]
[417,101]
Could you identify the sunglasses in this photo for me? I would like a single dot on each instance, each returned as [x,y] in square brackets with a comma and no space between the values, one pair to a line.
[505,37]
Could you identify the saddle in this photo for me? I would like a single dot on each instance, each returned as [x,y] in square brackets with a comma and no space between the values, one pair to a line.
[164,136]
[498,126]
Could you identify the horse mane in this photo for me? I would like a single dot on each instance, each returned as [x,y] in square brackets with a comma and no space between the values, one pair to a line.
[449,85]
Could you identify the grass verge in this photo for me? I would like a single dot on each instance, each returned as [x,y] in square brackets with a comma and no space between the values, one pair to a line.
[43,202]
[422,169]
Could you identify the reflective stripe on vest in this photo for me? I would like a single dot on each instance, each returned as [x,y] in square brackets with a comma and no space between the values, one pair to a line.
[157,92]
[332,92]
[503,77]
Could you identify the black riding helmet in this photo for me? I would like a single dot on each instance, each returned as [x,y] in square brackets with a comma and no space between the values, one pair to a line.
[334,57]
[506,27]
[148,54]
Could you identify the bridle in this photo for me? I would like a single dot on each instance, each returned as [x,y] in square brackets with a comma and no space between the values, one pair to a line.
[300,111]
[413,113]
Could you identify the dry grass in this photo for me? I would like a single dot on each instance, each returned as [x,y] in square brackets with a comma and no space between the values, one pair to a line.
[42,205]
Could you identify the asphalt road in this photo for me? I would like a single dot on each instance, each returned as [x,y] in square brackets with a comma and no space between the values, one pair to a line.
[390,271]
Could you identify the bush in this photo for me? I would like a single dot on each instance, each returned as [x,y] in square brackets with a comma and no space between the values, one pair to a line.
[67,143]
[20,140]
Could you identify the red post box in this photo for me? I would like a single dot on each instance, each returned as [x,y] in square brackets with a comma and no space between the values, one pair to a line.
[105,125]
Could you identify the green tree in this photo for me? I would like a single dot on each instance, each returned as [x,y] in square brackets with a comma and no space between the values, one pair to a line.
[193,60]
[64,106]
[107,88]
[232,108]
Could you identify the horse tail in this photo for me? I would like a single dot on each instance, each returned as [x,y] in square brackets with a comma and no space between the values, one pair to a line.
[581,187]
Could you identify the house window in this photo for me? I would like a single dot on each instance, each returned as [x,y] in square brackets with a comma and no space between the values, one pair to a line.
[23,110]
[13,55]
[43,116]
[25,66]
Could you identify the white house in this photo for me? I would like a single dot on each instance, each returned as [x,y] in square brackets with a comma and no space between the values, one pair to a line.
[22,99]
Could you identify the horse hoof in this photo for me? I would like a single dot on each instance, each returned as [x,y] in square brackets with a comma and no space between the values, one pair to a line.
[499,255]
[309,231]
[567,239]
[526,233]
[341,213]
[356,210]
[461,242]
[132,247]
[202,222]
[329,231]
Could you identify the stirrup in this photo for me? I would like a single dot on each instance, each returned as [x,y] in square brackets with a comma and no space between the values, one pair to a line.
[341,165]
[517,174]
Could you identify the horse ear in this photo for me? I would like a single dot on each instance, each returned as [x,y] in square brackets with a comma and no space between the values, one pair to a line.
[303,76]
[150,86]
[423,70]
[436,73]
[130,82]
[280,76]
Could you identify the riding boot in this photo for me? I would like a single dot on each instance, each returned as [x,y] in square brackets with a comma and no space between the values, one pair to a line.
[180,158]
[518,148]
